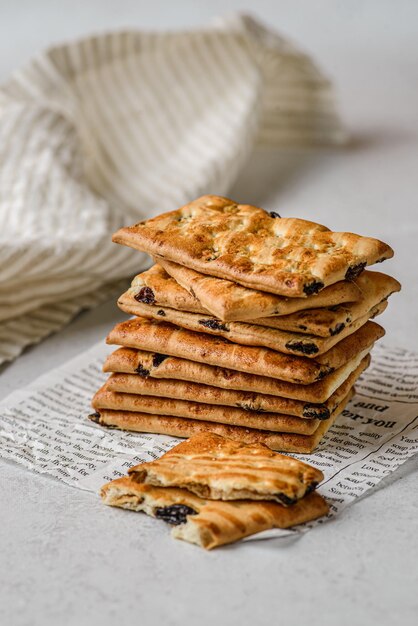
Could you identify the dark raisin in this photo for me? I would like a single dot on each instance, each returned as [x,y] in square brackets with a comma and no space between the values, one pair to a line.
[337,329]
[313,287]
[325,372]
[300,346]
[354,271]
[311,488]
[274,214]
[142,371]
[145,295]
[316,411]
[213,325]
[302,327]
[161,312]
[157,359]
[95,417]
[175,514]
[281,497]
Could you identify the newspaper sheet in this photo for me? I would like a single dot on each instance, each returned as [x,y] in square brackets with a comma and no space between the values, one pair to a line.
[45,428]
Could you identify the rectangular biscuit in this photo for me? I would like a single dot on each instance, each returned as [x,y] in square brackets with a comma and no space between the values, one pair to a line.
[166,339]
[276,422]
[209,523]
[130,361]
[250,401]
[217,468]
[245,244]
[245,333]
[229,301]
[187,427]
[156,287]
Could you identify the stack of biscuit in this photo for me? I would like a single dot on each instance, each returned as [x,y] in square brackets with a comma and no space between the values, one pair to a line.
[249,325]
[215,491]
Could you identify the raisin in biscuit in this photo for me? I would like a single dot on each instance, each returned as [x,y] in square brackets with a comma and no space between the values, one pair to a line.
[209,523]
[217,468]
[245,244]
[155,286]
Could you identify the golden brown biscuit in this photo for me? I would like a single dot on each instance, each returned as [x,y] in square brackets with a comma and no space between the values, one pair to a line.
[129,360]
[217,468]
[190,391]
[186,427]
[229,301]
[286,256]
[247,334]
[156,287]
[322,314]
[209,523]
[276,422]
[164,338]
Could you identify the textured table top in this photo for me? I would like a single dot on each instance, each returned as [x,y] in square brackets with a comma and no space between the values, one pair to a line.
[66,559]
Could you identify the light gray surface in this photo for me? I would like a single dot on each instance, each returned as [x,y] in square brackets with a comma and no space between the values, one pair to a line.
[66,559]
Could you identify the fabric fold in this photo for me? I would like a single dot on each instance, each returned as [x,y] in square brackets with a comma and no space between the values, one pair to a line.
[113,128]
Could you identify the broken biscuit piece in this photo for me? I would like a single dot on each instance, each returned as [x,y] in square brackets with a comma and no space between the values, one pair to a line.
[209,523]
[214,467]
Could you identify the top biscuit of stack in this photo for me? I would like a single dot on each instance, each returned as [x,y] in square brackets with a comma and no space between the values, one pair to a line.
[285,256]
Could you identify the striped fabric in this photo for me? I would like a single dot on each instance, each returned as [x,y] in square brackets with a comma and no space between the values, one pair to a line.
[110,129]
